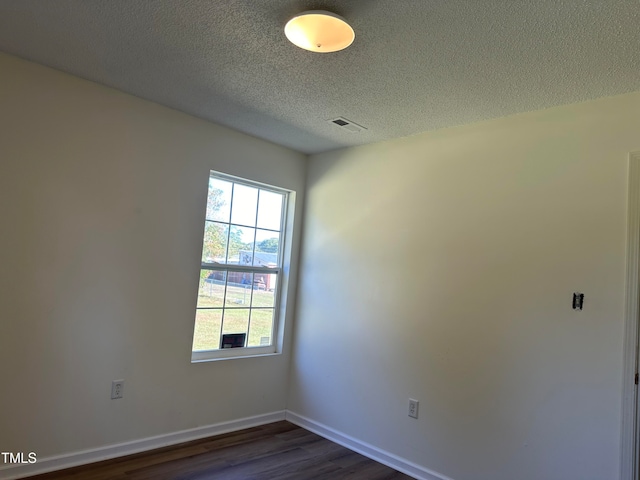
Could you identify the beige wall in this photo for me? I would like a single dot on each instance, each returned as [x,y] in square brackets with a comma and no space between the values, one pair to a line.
[442,266]
[439,267]
[102,201]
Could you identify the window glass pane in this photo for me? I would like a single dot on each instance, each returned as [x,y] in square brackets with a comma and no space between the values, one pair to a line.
[245,201]
[206,335]
[238,289]
[267,244]
[214,247]
[264,290]
[269,210]
[241,245]
[219,200]
[211,291]
[236,320]
[261,327]
[243,228]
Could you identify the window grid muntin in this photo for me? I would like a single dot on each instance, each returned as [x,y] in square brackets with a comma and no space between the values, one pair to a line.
[241,225]
[283,211]
[235,308]
[249,269]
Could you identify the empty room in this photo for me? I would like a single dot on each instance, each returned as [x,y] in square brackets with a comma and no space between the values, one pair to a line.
[282,239]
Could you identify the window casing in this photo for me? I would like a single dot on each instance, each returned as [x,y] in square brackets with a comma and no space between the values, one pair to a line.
[241,270]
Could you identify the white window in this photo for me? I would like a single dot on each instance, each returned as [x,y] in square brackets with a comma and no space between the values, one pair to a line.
[241,269]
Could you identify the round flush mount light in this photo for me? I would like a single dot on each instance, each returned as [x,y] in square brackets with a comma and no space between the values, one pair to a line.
[319,31]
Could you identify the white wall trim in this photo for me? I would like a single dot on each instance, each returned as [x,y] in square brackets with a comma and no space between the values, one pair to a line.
[375,453]
[628,464]
[127,448]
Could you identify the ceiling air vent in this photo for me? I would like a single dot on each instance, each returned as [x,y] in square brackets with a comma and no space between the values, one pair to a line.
[347,125]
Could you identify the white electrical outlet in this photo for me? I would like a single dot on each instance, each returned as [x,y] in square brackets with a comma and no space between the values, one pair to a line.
[117,389]
[413,408]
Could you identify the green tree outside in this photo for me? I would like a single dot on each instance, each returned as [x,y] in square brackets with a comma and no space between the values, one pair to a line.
[269,245]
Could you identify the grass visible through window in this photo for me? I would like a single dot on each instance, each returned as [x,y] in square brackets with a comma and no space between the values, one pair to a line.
[236,317]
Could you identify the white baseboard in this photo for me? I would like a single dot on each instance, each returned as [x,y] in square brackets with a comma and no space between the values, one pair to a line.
[375,453]
[118,450]
[84,457]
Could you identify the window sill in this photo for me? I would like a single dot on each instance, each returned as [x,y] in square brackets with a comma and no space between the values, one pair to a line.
[203,357]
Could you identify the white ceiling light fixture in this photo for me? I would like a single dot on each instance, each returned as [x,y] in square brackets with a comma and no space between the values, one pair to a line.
[319,31]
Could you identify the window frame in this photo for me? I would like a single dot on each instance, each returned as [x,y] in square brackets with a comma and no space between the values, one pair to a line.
[285,233]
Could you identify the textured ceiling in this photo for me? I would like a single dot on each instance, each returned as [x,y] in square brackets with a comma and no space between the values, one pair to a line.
[416,65]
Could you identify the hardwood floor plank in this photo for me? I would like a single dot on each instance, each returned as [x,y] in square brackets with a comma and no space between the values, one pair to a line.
[277,451]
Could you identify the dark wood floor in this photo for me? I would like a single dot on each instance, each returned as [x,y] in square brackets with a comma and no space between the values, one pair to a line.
[278,451]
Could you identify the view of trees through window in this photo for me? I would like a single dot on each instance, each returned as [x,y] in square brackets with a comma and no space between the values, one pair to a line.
[240,264]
